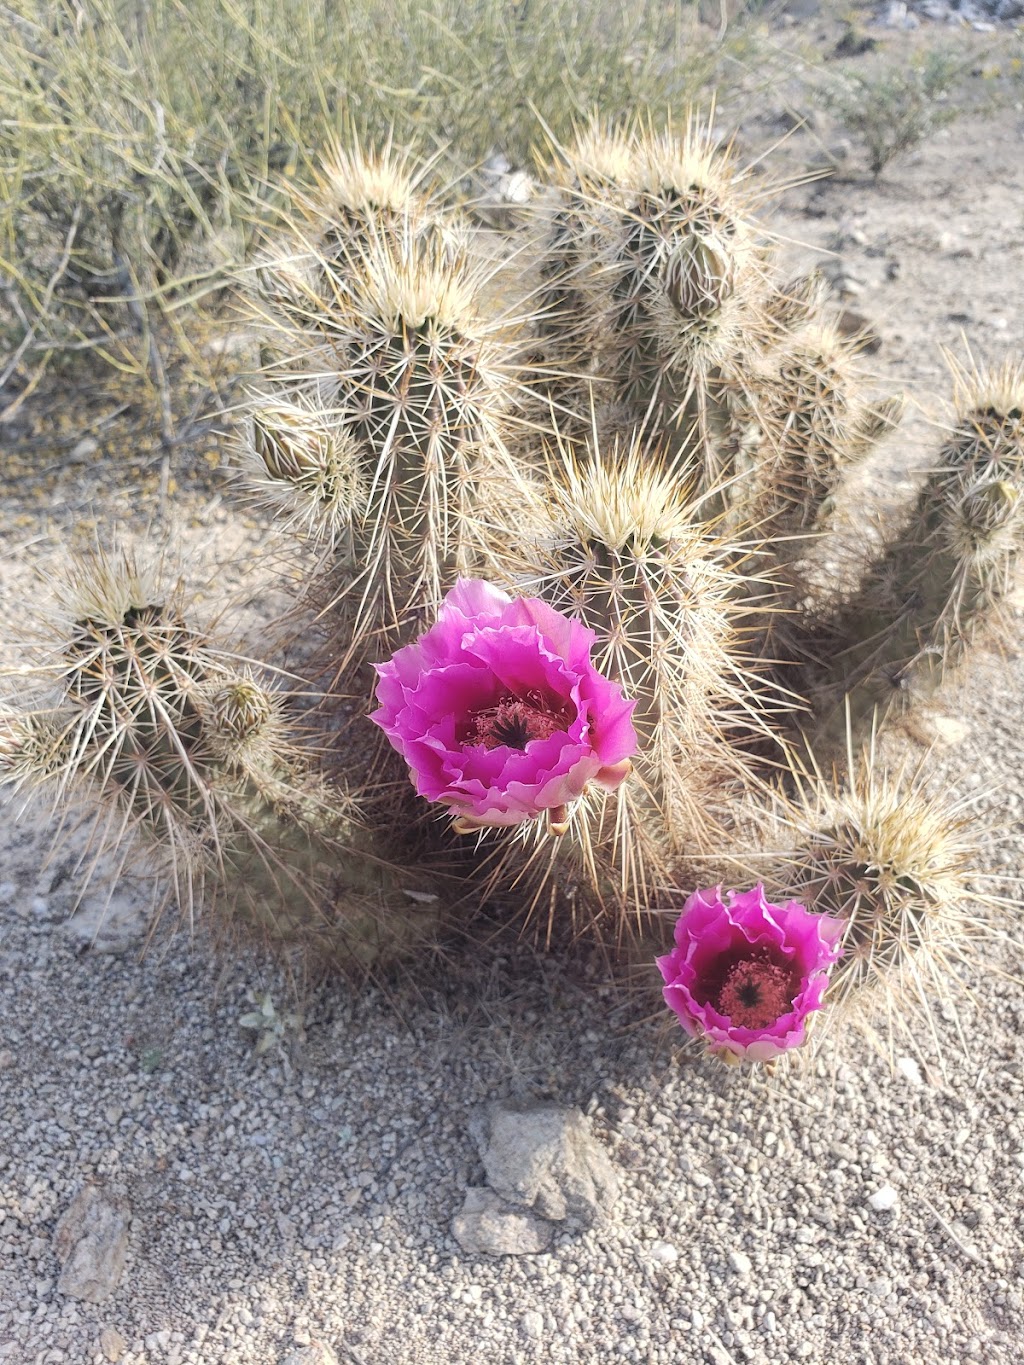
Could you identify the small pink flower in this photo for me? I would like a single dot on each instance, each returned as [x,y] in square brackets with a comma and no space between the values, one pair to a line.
[746,974]
[499,712]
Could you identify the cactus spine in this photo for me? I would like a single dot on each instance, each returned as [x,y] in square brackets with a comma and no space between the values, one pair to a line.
[896,862]
[180,747]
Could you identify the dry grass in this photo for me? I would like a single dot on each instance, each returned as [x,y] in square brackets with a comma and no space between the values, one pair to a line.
[141,143]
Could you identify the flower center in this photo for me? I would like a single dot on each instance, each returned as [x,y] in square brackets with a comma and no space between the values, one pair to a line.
[514,722]
[755,993]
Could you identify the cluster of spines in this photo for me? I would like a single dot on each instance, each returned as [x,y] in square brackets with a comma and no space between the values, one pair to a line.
[180,749]
[897,862]
[358,197]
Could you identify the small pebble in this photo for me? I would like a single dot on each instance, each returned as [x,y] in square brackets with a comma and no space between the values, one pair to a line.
[533,1324]
[740,1262]
[87,446]
[884,1199]
[664,1253]
[908,1067]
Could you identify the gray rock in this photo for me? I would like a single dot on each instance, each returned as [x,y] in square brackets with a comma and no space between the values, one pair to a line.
[91,1242]
[544,1157]
[486,1223]
[111,921]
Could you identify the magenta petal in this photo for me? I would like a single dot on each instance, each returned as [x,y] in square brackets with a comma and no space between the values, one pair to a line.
[477,600]
[746,975]
[451,703]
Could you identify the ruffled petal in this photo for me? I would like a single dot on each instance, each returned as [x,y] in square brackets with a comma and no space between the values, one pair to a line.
[783,953]
[486,650]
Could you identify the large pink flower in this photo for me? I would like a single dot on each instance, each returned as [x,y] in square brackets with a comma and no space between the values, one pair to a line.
[499,712]
[746,974]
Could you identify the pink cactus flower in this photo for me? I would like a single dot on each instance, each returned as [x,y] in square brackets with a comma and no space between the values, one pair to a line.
[747,975]
[499,712]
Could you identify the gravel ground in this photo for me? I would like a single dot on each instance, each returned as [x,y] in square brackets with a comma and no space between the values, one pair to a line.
[294,1208]
[282,1201]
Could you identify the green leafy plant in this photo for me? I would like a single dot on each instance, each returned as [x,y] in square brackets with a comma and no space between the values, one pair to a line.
[274,1031]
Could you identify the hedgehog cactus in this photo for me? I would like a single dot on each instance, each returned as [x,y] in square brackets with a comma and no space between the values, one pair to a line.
[688,268]
[381,444]
[660,471]
[662,267]
[700,420]
[987,439]
[800,424]
[943,577]
[615,537]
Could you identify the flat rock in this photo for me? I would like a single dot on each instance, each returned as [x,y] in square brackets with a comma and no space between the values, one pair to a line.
[91,1242]
[486,1223]
[112,1344]
[544,1157]
[316,1353]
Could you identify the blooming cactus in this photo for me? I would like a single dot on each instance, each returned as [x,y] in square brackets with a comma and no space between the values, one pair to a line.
[499,712]
[747,975]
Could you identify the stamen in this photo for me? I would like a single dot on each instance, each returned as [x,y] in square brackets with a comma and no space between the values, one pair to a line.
[514,723]
[755,993]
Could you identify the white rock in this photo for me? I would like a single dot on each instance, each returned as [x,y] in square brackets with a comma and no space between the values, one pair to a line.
[908,1067]
[740,1262]
[517,188]
[664,1253]
[314,1354]
[884,1199]
[533,1324]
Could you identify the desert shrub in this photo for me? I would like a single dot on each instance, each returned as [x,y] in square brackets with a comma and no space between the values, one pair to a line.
[894,112]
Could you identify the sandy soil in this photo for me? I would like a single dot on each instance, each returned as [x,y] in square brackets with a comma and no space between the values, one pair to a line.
[296,1207]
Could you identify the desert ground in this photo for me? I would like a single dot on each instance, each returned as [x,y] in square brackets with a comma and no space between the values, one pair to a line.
[296,1207]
